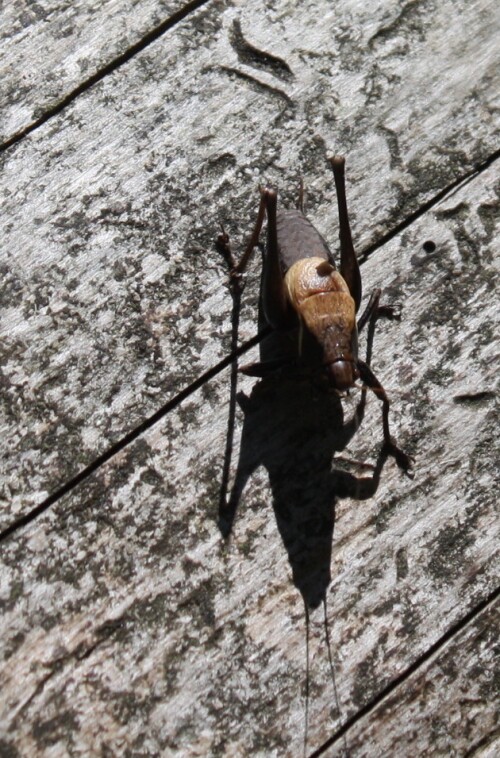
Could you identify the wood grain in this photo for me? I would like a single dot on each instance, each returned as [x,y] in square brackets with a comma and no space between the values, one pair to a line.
[133,625]
[50,51]
[450,705]
[112,290]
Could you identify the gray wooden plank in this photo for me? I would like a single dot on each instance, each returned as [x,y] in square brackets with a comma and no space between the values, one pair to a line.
[134,627]
[49,50]
[110,209]
[449,707]
[112,297]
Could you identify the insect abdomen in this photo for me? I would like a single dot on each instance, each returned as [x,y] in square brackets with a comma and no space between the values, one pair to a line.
[298,239]
[321,297]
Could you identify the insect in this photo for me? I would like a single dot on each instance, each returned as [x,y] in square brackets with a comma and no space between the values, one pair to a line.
[302,287]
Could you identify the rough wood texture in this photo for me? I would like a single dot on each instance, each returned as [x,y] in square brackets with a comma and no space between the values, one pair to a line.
[133,626]
[450,707]
[110,208]
[49,49]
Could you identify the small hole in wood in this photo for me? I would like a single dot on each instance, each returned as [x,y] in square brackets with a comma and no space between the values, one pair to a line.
[429,246]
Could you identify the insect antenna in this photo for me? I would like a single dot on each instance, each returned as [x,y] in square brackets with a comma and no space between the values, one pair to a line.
[306,715]
[332,671]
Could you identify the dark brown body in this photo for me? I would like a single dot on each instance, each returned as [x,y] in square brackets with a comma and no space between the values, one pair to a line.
[319,295]
[298,239]
[301,284]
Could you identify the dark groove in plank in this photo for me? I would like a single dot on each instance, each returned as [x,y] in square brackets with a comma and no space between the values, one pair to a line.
[257,84]
[211,373]
[252,56]
[109,68]
[429,204]
[412,669]
[130,437]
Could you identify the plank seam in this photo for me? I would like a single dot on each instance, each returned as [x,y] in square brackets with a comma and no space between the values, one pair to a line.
[131,436]
[144,42]
[435,648]
[429,204]
[211,373]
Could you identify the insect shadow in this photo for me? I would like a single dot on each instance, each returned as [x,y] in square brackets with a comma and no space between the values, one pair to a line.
[294,426]
[294,421]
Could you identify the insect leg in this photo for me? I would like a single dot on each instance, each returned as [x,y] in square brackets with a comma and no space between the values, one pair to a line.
[349,267]
[277,311]
[403,460]
[223,245]
[374,311]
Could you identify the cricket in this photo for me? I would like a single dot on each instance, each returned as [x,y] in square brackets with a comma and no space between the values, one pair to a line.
[303,290]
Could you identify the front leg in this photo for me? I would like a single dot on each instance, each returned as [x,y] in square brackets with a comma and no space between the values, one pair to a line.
[236,269]
[403,460]
[276,308]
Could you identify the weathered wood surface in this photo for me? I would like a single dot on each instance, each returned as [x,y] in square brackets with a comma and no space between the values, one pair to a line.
[454,695]
[110,208]
[49,50]
[133,627]
[131,623]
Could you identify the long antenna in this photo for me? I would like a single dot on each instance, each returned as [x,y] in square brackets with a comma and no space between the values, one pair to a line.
[306,727]
[332,671]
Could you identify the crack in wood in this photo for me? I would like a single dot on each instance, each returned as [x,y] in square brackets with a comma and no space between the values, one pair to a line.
[251,55]
[211,373]
[109,68]
[483,605]
[450,189]
[130,437]
[258,84]
[474,397]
